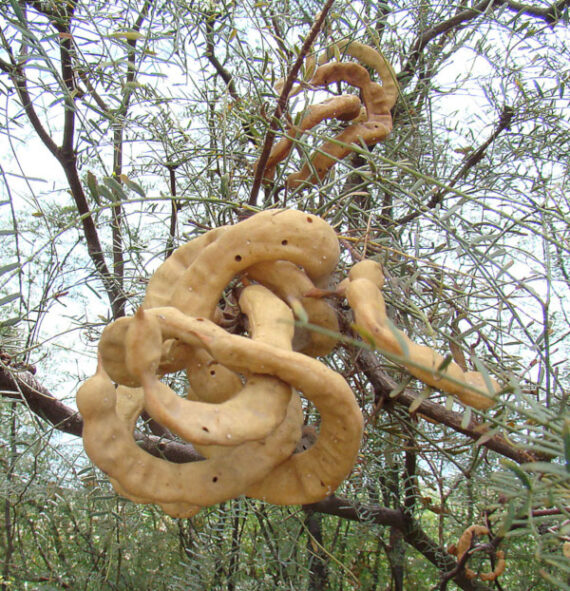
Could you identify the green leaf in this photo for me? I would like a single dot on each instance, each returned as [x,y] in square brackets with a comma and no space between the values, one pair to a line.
[445,363]
[128,35]
[7,268]
[9,298]
[518,472]
[132,185]
[10,322]
[93,187]
[116,187]
[16,7]
[483,371]
[299,311]
[364,334]
[547,468]
[107,193]
[510,515]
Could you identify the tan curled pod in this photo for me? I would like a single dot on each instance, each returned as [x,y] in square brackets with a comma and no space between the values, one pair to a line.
[252,414]
[292,284]
[209,380]
[466,538]
[292,235]
[109,442]
[372,58]
[270,322]
[377,126]
[499,569]
[302,238]
[309,476]
[344,108]
[159,292]
[162,283]
[465,543]
[363,293]
[128,407]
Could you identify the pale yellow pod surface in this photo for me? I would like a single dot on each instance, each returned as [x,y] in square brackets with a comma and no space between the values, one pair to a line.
[163,282]
[368,269]
[109,443]
[365,298]
[293,420]
[209,380]
[291,235]
[316,473]
[252,414]
[112,352]
[291,283]
[128,407]
[464,542]
[375,60]
[271,322]
[130,404]
[345,108]
[376,127]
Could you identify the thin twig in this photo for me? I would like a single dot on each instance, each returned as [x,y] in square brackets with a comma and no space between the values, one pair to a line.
[473,159]
[280,108]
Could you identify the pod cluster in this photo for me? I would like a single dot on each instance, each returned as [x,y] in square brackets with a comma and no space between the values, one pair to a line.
[243,407]
[369,120]
[242,410]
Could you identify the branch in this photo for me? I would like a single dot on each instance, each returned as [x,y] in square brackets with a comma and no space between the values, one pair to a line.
[473,159]
[224,74]
[211,56]
[281,103]
[66,157]
[383,385]
[410,528]
[550,15]
[18,78]
[23,386]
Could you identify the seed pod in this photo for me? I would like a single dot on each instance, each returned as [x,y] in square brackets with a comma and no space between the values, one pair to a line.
[251,414]
[316,473]
[363,293]
[109,443]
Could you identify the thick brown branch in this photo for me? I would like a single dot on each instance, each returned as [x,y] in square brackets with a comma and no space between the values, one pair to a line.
[25,387]
[18,78]
[218,66]
[550,15]
[412,532]
[224,74]
[65,155]
[383,385]
[113,289]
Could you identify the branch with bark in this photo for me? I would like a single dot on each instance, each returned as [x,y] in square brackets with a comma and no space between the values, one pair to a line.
[412,532]
[65,153]
[471,160]
[24,387]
